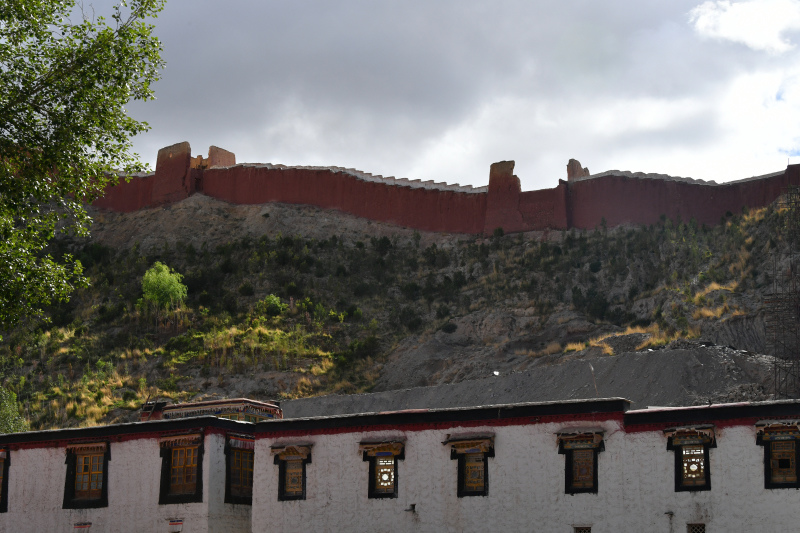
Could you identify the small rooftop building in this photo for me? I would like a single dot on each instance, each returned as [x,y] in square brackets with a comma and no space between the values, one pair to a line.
[582,466]
[242,409]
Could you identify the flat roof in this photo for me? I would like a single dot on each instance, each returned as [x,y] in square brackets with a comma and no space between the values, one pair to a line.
[501,414]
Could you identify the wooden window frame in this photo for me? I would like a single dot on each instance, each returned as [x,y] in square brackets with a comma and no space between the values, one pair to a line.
[766,437]
[677,442]
[4,466]
[460,448]
[372,452]
[73,500]
[281,461]
[568,444]
[165,495]
[230,455]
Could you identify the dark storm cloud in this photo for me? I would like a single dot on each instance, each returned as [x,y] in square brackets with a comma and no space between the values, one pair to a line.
[424,87]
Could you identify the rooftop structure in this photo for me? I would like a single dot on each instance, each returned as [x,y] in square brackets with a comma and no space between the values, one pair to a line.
[241,409]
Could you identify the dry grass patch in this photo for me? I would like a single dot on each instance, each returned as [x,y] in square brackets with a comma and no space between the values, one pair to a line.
[659,337]
[574,347]
[714,286]
[706,312]
[322,367]
[597,342]
[550,349]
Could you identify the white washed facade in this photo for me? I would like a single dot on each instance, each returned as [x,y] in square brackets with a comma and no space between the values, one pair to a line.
[635,481]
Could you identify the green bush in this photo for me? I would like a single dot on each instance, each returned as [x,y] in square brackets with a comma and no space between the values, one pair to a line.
[162,286]
[270,306]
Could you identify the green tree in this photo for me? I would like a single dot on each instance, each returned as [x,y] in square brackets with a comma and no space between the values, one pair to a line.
[10,419]
[162,286]
[64,133]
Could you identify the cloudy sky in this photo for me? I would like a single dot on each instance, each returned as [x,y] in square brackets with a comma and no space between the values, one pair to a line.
[441,89]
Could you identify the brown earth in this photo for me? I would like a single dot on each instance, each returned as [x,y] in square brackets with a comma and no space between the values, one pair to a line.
[490,357]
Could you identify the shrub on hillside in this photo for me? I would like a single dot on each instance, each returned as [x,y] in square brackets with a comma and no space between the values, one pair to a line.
[270,306]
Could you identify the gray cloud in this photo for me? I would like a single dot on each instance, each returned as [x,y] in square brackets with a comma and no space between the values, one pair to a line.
[419,87]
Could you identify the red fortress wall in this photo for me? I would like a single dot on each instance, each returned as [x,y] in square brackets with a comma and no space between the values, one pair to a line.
[581,202]
[420,208]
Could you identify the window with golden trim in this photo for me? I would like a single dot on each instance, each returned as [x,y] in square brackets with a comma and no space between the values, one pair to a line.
[89,476]
[382,458]
[781,454]
[691,448]
[239,470]
[292,461]
[86,484]
[472,454]
[581,449]
[181,469]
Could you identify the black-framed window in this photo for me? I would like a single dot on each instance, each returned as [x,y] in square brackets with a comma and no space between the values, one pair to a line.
[239,464]
[4,464]
[181,470]
[292,461]
[692,465]
[86,480]
[473,465]
[382,458]
[781,456]
[580,465]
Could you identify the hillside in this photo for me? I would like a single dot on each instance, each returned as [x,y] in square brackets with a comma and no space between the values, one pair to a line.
[365,306]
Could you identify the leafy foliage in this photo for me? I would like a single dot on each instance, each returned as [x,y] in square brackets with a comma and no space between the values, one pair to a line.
[10,419]
[270,306]
[64,132]
[162,286]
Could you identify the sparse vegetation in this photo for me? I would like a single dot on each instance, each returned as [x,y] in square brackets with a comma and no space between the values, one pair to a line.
[295,316]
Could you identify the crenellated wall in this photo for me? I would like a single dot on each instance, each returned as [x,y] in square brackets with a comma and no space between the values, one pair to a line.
[627,198]
[584,201]
[428,209]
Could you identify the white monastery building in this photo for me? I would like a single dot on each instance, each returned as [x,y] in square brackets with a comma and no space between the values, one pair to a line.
[562,467]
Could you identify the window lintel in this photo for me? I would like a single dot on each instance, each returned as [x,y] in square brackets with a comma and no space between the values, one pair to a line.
[87,447]
[392,448]
[691,435]
[175,441]
[777,430]
[291,451]
[461,444]
[241,442]
[580,439]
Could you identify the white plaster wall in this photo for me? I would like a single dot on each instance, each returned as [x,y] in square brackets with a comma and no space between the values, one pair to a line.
[36,493]
[737,500]
[526,486]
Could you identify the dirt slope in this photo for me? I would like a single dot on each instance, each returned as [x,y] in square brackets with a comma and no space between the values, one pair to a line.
[683,373]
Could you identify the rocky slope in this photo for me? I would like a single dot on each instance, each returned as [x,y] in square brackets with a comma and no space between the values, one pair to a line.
[373,307]
[682,373]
